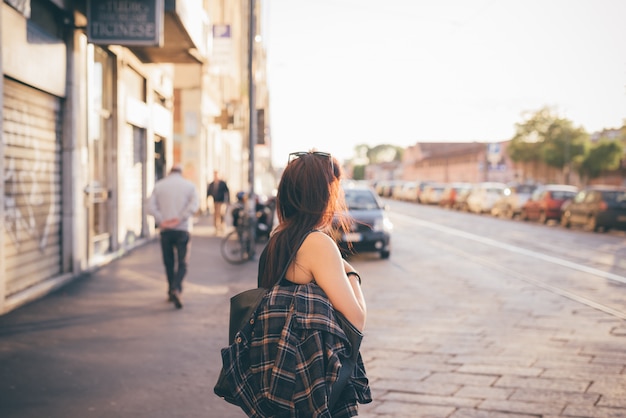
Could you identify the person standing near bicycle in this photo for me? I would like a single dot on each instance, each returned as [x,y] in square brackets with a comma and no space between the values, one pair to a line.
[218,191]
[173,203]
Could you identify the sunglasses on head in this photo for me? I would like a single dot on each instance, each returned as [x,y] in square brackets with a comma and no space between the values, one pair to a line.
[296,155]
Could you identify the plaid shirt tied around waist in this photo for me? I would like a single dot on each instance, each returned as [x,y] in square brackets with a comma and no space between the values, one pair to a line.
[284,362]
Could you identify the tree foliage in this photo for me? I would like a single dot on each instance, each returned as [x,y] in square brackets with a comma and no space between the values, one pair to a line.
[364,155]
[358,172]
[525,146]
[384,153]
[545,137]
[605,155]
[564,144]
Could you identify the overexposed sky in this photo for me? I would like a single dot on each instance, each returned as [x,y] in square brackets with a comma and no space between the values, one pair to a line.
[347,72]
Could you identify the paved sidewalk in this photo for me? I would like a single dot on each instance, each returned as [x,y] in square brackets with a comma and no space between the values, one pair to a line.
[110,345]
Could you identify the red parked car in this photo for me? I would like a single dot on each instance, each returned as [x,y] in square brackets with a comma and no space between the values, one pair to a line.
[546,201]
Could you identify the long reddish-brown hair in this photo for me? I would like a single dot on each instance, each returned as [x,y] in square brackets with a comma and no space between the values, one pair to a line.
[309,197]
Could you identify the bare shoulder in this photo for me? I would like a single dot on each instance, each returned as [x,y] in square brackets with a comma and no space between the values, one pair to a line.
[318,240]
[316,246]
[317,249]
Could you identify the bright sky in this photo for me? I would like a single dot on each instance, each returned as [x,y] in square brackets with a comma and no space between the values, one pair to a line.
[348,72]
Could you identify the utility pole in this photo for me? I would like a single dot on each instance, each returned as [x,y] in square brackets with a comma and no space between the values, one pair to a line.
[251,201]
[567,158]
[251,97]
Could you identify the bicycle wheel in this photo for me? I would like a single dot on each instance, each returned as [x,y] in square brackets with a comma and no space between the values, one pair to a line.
[233,248]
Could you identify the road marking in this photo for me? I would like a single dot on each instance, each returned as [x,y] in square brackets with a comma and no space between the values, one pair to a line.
[515,249]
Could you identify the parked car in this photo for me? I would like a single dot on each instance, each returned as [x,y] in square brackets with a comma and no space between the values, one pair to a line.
[432,193]
[384,188]
[453,194]
[509,205]
[380,187]
[409,191]
[461,200]
[370,230]
[397,190]
[596,208]
[546,201]
[483,195]
[421,186]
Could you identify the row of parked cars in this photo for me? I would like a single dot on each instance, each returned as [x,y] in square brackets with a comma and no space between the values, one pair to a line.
[596,208]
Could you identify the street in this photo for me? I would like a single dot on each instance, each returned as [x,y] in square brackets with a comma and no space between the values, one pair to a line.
[478,316]
[471,316]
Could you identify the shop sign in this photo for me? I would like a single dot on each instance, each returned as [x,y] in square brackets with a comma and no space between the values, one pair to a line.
[125,22]
[222,57]
[22,6]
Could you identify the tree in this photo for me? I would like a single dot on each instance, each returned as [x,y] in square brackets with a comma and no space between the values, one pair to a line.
[365,155]
[359,161]
[525,146]
[605,155]
[563,143]
[358,172]
[545,137]
[384,153]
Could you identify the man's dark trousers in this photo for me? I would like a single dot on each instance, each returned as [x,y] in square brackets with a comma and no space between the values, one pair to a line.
[175,246]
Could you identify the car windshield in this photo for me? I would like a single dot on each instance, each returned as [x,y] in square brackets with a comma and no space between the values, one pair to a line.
[614,196]
[360,199]
[525,188]
[562,195]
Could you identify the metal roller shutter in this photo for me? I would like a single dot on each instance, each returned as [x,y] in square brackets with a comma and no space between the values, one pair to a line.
[32,182]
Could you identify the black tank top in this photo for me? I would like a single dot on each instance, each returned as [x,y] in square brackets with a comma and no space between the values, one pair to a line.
[282,281]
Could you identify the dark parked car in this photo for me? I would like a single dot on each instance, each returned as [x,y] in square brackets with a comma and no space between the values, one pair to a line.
[546,201]
[596,208]
[371,228]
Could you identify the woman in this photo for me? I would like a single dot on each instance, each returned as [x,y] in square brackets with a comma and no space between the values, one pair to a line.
[295,347]
[309,198]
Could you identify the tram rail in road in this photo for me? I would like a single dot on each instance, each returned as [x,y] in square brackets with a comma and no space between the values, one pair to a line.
[575,296]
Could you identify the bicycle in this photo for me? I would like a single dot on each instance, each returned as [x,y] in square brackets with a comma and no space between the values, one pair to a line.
[239,245]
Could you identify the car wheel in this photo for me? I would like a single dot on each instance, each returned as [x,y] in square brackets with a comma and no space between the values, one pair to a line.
[384,254]
[542,217]
[565,220]
[510,213]
[592,224]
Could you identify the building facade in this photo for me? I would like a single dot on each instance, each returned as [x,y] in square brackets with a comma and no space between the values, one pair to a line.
[473,163]
[99,99]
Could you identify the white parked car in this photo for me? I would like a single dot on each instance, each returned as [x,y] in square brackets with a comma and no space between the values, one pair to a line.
[432,193]
[483,196]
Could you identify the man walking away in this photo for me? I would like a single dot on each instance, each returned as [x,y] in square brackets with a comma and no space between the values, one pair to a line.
[218,190]
[173,202]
